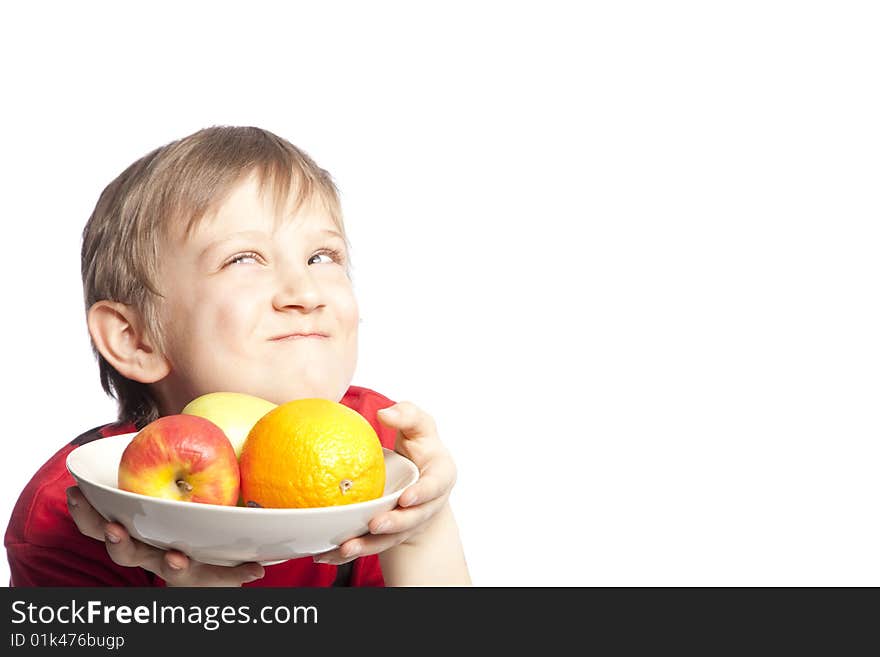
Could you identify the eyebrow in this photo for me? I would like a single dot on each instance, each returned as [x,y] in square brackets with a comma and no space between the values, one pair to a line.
[223,240]
[332,233]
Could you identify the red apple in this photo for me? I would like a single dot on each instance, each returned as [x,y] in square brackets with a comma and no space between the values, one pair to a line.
[181,457]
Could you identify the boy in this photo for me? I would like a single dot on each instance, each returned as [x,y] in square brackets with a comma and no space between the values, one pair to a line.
[219,263]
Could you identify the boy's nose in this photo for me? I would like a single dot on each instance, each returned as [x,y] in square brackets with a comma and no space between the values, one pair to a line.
[297,291]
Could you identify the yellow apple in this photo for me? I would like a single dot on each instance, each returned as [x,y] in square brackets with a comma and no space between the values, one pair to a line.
[234,412]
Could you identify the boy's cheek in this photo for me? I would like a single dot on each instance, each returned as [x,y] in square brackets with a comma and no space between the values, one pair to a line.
[349,313]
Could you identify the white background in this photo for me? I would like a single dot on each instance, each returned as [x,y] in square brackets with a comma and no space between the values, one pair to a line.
[626,254]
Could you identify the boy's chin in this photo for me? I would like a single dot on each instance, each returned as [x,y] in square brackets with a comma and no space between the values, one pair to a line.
[319,391]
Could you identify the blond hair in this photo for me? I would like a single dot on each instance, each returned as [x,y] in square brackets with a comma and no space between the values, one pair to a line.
[180,182]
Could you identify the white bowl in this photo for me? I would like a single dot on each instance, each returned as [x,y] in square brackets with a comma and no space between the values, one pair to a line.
[227,535]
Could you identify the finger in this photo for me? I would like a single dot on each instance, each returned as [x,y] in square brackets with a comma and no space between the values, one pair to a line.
[360,547]
[173,566]
[91,523]
[127,551]
[178,570]
[409,419]
[121,548]
[405,520]
[87,520]
[435,481]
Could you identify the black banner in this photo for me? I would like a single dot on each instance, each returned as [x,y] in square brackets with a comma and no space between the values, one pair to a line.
[406,620]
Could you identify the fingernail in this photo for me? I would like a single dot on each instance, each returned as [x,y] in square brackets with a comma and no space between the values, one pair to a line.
[381,527]
[253,577]
[389,412]
[412,500]
[112,538]
[323,560]
[72,502]
[173,564]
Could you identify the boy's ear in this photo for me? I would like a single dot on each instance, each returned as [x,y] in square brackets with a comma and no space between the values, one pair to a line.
[119,335]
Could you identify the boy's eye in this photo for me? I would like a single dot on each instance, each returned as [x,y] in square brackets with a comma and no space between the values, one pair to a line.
[329,255]
[243,258]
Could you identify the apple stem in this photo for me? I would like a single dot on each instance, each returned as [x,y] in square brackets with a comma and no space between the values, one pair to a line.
[184,486]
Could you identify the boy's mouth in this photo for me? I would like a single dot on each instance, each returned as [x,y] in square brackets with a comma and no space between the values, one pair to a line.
[297,336]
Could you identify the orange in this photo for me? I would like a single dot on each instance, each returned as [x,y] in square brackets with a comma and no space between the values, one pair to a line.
[311,453]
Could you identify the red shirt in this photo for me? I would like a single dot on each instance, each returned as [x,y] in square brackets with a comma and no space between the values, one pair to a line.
[45,548]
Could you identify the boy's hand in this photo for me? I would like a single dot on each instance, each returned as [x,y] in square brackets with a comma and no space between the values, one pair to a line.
[417,440]
[173,566]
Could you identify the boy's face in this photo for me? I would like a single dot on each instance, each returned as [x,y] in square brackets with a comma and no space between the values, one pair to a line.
[257,309]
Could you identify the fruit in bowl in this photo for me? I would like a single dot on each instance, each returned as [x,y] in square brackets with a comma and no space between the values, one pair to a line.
[228,535]
[311,453]
[181,457]
[314,471]
[234,412]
